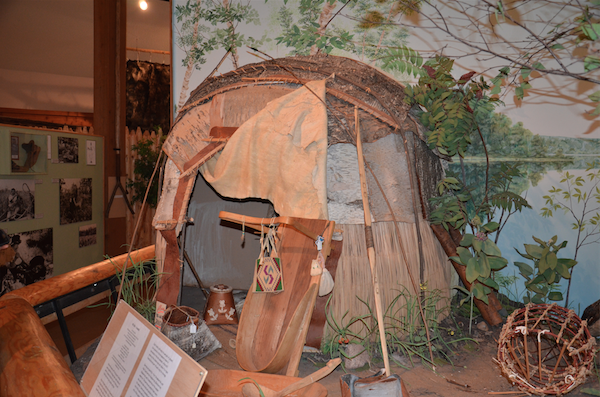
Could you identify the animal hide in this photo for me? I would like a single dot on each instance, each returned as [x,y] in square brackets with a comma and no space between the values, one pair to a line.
[148,95]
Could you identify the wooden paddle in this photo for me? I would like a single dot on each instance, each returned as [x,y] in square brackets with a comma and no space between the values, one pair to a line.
[251,390]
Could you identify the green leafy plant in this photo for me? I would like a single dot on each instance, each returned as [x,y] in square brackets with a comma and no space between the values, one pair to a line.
[305,34]
[582,205]
[543,277]
[448,105]
[452,109]
[481,256]
[138,288]
[510,294]
[342,334]
[143,168]
[404,329]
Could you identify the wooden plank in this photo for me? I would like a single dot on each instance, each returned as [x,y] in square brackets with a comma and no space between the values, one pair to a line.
[168,290]
[80,119]
[31,363]
[273,326]
[222,132]
[202,157]
[226,383]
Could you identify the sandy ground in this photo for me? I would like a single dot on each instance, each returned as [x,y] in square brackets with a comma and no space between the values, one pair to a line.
[473,373]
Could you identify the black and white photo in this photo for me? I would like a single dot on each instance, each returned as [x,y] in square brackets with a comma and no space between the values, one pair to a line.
[68,150]
[27,259]
[87,235]
[17,199]
[75,200]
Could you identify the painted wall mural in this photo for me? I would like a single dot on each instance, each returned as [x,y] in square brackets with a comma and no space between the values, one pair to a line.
[544,128]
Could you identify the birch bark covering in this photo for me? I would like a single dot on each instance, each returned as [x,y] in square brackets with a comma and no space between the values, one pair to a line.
[388,160]
[279,155]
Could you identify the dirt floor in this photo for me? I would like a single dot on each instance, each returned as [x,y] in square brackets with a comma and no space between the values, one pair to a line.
[472,373]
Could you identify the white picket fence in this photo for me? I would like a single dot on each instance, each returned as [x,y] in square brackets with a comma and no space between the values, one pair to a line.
[146,234]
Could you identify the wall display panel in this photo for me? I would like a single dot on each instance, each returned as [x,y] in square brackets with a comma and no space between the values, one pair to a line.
[66,199]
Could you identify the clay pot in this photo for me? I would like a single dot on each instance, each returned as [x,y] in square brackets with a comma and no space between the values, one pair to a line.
[220,308]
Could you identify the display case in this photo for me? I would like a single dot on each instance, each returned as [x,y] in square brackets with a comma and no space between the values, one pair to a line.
[23,153]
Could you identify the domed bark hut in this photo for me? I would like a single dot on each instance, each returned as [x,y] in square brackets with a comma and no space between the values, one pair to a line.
[251,134]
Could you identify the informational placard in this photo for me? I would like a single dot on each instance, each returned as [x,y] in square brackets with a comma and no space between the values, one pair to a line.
[134,359]
[90,152]
[118,366]
[156,370]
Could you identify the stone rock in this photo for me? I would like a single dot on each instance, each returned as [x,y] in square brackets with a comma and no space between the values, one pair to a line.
[356,356]
[482,326]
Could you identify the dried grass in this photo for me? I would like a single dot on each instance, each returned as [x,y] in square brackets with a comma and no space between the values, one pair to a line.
[353,275]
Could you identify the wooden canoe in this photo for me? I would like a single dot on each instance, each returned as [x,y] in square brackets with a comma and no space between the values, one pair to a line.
[273,327]
[228,383]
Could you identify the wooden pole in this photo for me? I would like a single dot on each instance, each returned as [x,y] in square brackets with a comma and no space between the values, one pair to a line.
[51,288]
[370,246]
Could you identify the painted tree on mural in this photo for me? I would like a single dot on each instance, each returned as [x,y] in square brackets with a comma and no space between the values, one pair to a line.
[525,40]
[374,39]
[205,26]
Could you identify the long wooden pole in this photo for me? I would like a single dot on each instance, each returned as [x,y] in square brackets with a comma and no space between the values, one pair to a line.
[370,245]
[56,286]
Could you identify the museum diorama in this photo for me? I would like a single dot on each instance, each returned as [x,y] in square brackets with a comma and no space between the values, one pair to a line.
[315,198]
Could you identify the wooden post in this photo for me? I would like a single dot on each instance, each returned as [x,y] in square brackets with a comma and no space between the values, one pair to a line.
[109,102]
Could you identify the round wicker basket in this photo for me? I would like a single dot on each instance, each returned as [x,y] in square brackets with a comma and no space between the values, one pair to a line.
[545,349]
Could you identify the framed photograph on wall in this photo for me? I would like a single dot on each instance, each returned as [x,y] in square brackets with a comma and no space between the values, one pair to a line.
[75,200]
[17,199]
[87,235]
[68,150]
[32,260]
[25,150]
[14,147]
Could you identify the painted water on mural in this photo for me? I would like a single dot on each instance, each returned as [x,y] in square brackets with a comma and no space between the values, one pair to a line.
[540,177]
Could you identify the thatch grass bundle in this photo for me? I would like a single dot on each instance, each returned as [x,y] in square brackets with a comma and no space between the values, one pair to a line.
[353,275]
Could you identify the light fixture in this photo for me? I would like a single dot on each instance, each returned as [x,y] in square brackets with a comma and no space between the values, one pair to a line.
[143,5]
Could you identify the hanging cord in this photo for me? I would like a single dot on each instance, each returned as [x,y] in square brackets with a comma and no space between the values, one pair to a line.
[135,230]
[411,176]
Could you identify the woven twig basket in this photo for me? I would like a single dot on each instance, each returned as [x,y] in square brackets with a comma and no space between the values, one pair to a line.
[545,349]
